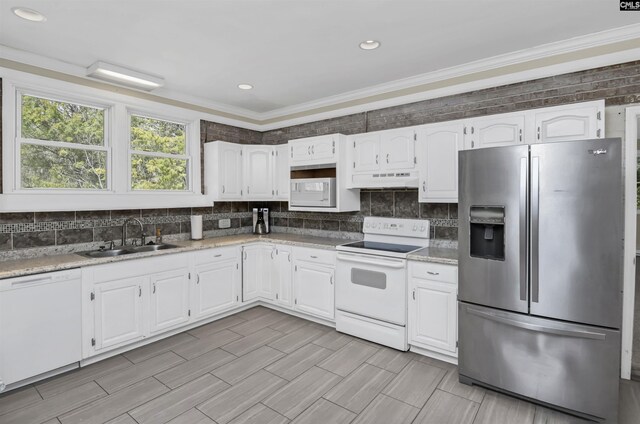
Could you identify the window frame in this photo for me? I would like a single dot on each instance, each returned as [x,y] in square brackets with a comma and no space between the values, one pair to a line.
[20,141]
[186,156]
[118,194]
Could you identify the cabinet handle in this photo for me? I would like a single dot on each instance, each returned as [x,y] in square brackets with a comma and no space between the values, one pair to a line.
[520,134]
[331,279]
[223,188]
[387,157]
[314,257]
[433,273]
[245,255]
[424,185]
[376,159]
[218,255]
[273,192]
[139,291]
[247,189]
[313,152]
[414,294]
[471,130]
[154,288]
[538,133]
[309,150]
[272,253]
[198,279]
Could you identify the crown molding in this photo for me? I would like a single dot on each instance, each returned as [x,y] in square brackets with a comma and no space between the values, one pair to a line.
[594,50]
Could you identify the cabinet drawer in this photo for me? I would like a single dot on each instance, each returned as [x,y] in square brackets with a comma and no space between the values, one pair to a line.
[437,272]
[319,256]
[215,255]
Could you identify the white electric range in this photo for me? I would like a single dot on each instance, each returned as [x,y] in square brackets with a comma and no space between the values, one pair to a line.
[371,280]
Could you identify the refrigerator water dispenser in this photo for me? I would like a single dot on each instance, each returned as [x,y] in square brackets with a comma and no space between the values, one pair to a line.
[487,232]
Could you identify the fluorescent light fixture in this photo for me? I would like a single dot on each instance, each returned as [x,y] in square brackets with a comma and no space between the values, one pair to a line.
[28,14]
[113,73]
[245,86]
[369,45]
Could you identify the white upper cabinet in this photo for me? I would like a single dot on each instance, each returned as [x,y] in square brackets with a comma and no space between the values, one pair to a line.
[366,152]
[281,172]
[223,170]
[397,149]
[169,300]
[258,172]
[383,159]
[494,131]
[245,172]
[313,150]
[569,122]
[438,146]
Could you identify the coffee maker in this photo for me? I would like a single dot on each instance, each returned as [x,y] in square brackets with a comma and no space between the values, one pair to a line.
[261,221]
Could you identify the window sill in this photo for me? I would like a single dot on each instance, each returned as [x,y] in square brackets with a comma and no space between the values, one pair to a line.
[86,202]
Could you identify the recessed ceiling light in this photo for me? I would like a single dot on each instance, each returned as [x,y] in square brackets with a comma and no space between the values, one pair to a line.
[124,76]
[245,86]
[369,45]
[28,14]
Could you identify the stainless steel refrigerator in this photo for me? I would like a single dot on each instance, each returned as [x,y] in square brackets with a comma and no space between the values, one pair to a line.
[540,272]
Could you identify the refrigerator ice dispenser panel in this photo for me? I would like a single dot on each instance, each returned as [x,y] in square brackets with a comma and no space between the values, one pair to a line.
[486,234]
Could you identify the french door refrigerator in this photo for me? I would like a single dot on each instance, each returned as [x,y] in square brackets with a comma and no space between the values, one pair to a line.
[540,272]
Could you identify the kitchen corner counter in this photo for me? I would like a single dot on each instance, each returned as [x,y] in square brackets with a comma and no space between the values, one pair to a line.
[438,255]
[49,263]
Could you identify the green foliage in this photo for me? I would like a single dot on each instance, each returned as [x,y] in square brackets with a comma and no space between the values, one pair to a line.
[44,119]
[48,167]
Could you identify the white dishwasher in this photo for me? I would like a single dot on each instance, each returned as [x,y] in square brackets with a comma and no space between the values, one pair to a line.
[40,324]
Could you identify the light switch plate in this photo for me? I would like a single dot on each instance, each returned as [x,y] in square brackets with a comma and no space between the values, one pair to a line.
[224,223]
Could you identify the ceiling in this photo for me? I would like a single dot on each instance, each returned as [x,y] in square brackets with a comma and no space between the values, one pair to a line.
[294,51]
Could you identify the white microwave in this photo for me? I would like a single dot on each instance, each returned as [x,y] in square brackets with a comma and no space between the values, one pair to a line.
[315,192]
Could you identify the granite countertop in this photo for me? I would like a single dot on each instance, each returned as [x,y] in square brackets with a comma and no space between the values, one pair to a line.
[439,255]
[40,264]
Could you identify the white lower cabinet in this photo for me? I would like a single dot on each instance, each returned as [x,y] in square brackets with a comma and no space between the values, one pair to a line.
[281,276]
[217,283]
[313,285]
[433,313]
[119,315]
[256,271]
[169,306]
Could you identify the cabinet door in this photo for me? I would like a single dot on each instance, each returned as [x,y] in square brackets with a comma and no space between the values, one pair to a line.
[230,164]
[282,281]
[300,151]
[313,289]
[438,147]
[495,131]
[216,287]
[572,122]
[169,300]
[366,153]
[118,314]
[256,272]
[397,150]
[281,172]
[433,315]
[258,172]
[323,148]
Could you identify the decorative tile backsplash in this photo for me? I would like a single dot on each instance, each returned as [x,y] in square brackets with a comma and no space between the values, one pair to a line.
[32,230]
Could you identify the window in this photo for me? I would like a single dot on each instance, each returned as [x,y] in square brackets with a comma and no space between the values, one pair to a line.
[61,145]
[158,150]
[74,147]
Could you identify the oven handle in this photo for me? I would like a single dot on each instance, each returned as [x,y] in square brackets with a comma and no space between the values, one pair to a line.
[388,263]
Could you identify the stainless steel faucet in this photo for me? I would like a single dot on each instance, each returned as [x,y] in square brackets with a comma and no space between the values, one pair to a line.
[124,230]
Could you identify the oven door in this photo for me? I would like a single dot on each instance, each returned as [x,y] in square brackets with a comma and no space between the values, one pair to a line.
[372,286]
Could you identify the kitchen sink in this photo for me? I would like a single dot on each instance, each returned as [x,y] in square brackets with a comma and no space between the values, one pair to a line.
[105,253]
[151,247]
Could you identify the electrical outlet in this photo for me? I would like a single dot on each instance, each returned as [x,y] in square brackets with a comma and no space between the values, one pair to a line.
[224,223]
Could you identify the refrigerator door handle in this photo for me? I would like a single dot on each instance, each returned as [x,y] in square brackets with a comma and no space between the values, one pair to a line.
[524,175]
[538,328]
[535,230]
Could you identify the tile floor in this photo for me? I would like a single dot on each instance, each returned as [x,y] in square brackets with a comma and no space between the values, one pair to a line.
[264,367]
